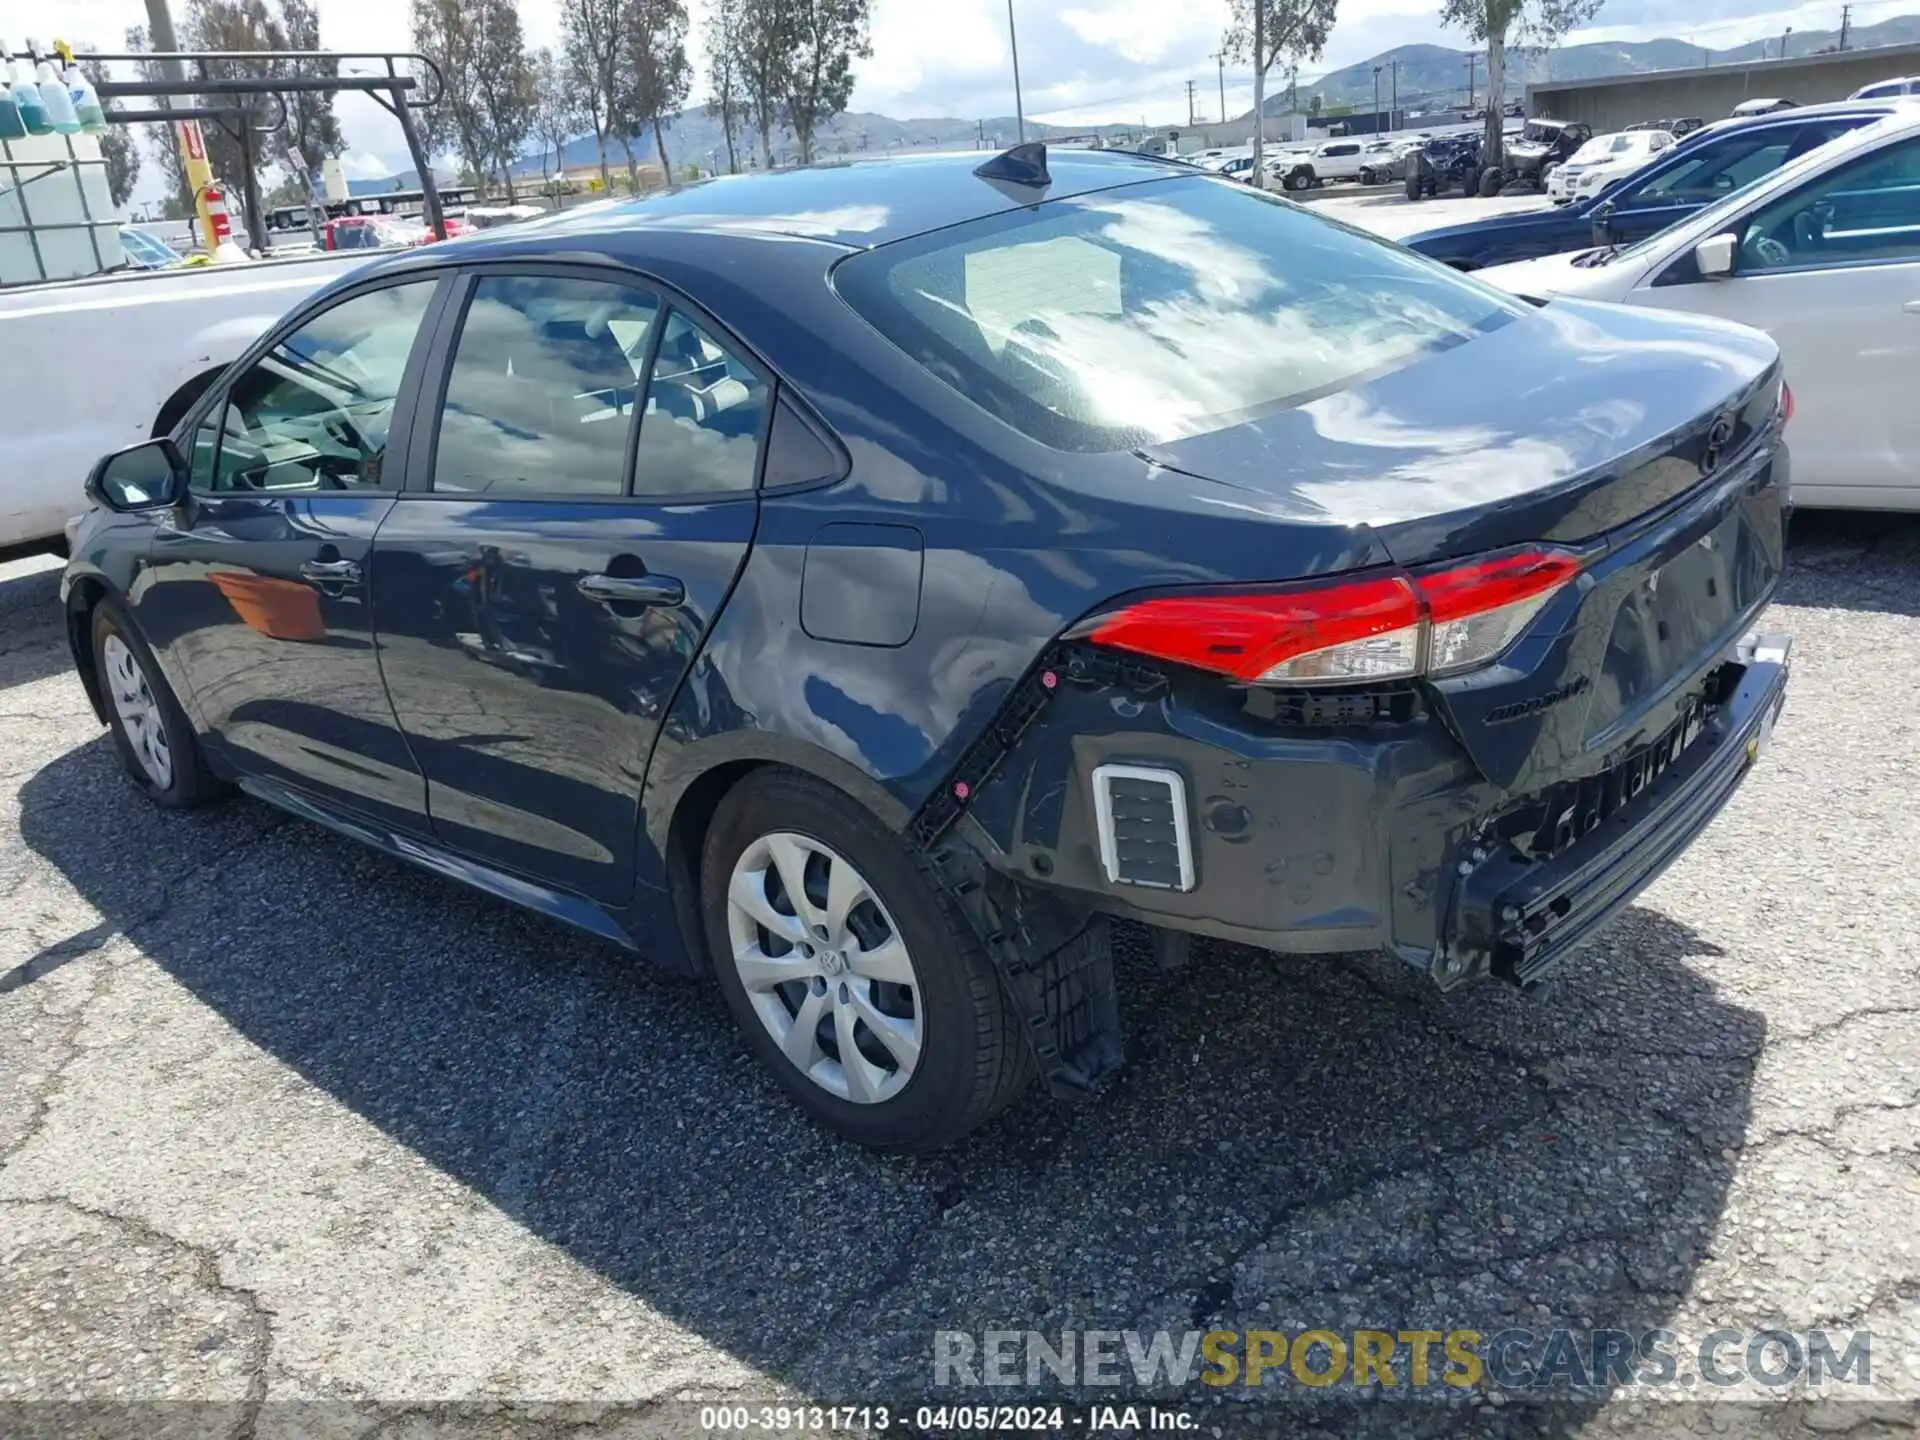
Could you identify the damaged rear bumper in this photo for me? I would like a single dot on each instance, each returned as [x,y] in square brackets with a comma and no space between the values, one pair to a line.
[1515,917]
[1350,828]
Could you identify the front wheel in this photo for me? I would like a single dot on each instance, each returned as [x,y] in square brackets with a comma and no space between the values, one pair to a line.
[152,734]
[857,982]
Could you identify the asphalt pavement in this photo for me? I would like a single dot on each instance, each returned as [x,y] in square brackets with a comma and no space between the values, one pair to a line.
[295,1140]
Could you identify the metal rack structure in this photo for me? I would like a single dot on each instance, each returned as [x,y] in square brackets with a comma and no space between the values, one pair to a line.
[410,82]
[18,190]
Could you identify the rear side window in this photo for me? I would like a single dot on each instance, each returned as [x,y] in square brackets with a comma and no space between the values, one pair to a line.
[541,397]
[1153,312]
[705,410]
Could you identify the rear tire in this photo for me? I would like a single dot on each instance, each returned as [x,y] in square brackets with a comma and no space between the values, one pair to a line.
[873,952]
[152,733]
[1491,180]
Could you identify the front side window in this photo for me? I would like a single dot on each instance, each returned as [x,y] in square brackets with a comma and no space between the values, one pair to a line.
[1157,311]
[1865,211]
[313,413]
[545,378]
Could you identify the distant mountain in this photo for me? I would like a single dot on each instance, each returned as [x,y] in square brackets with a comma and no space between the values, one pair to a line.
[1434,73]
[1428,76]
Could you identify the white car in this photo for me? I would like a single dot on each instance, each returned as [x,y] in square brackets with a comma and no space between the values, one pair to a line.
[1603,160]
[1824,255]
[1888,89]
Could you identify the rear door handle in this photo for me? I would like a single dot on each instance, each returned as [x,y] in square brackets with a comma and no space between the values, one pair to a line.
[633,589]
[337,572]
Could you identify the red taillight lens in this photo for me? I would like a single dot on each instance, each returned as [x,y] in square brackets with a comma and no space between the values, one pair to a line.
[1352,632]
[1786,402]
[1477,609]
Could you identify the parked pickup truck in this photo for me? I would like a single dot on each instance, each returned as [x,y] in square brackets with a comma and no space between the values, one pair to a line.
[97,364]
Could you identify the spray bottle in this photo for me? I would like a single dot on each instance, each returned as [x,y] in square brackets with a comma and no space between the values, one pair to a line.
[12,127]
[86,100]
[26,97]
[54,95]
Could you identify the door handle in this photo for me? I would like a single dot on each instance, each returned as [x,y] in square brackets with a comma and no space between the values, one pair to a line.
[633,589]
[337,572]
[1912,307]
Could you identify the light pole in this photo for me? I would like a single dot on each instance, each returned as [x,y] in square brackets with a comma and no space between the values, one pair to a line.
[1376,99]
[1783,42]
[1220,59]
[1019,106]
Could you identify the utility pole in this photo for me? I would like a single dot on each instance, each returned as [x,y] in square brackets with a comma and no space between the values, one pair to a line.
[1395,102]
[1376,99]
[1846,14]
[1019,106]
[1190,89]
[1471,61]
[1220,59]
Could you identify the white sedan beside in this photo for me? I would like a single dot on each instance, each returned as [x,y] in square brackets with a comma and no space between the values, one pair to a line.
[1824,255]
[1603,160]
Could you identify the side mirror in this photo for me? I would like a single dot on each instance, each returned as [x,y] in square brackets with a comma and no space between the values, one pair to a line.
[1715,256]
[147,476]
[1603,223]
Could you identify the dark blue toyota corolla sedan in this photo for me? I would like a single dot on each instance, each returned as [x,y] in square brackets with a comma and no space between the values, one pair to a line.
[857,585]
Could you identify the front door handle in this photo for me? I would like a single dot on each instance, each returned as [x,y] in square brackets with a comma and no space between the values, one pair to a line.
[1912,307]
[335,572]
[633,589]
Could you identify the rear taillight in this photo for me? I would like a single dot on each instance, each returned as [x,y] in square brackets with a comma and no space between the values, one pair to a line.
[1786,402]
[1348,632]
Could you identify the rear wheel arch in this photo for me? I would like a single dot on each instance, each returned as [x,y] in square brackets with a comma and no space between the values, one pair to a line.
[681,835]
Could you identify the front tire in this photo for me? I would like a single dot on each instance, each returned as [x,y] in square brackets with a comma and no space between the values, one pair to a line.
[855,979]
[152,733]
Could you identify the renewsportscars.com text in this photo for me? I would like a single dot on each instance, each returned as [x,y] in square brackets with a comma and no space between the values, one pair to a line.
[1459,1358]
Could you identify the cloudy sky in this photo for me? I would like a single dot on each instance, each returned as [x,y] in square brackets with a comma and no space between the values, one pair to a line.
[1081,60]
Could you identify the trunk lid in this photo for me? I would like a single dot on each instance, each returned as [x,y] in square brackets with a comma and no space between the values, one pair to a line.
[1643,441]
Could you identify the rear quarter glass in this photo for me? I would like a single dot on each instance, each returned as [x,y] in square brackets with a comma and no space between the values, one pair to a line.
[1149,313]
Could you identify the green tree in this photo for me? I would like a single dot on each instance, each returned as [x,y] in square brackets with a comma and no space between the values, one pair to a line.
[1498,23]
[1264,32]
[760,64]
[311,128]
[592,33]
[726,97]
[163,139]
[556,112]
[486,109]
[821,39]
[656,75]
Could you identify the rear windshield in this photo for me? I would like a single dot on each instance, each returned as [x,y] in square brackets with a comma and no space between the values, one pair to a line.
[1148,313]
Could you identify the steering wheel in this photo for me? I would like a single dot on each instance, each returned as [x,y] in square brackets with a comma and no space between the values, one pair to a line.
[1771,252]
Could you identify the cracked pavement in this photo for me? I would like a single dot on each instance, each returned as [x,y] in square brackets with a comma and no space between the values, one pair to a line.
[319,1141]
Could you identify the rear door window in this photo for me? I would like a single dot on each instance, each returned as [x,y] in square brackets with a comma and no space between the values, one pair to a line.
[542,394]
[1152,312]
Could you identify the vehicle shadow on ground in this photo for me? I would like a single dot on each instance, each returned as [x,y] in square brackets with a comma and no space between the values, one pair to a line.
[32,645]
[1853,560]
[1293,1144]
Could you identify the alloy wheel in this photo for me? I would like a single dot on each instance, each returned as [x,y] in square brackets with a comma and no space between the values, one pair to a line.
[139,711]
[825,967]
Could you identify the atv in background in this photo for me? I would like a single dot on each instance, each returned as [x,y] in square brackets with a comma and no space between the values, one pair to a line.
[1447,162]
[1532,156]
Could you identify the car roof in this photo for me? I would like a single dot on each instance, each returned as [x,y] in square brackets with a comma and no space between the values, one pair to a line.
[1799,115]
[855,204]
